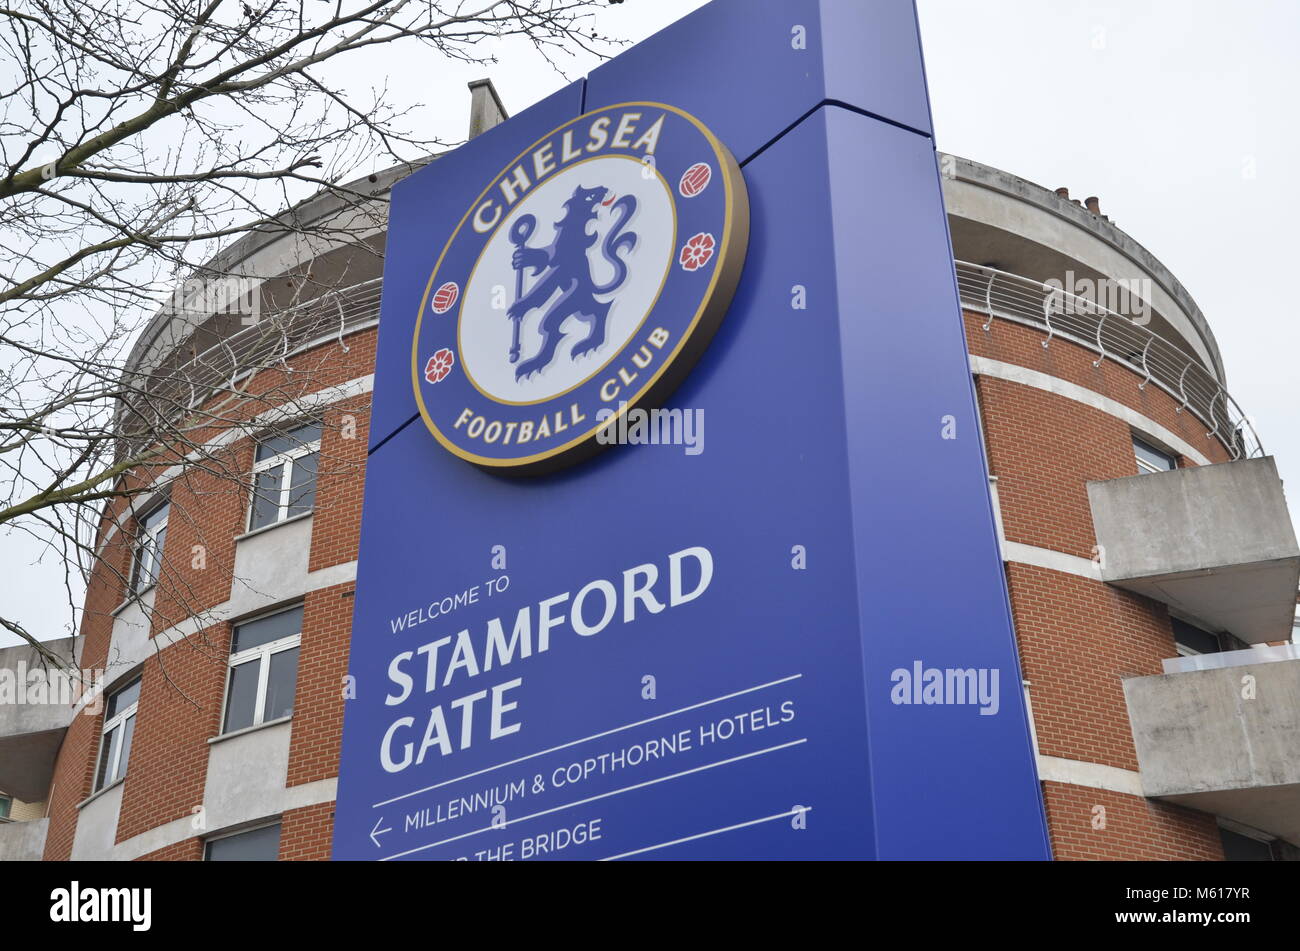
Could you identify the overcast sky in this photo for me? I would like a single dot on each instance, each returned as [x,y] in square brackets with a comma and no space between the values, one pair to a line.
[1180,114]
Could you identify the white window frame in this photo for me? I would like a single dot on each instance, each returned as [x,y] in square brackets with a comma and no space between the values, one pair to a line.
[146,543]
[287,459]
[118,720]
[1145,467]
[261,653]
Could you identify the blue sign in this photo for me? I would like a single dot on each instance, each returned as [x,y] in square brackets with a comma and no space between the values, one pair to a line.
[770,619]
[583,281]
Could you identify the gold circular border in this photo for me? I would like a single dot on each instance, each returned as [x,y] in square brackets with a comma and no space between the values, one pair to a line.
[672,252]
[699,332]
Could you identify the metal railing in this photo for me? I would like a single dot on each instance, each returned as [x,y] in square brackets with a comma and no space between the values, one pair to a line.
[1114,337]
[267,340]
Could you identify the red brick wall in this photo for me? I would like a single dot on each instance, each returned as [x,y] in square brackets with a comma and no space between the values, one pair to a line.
[183,685]
[73,776]
[336,526]
[180,708]
[1016,343]
[1136,829]
[318,701]
[1079,638]
[208,511]
[305,834]
[323,657]
[75,766]
[1044,448]
[186,850]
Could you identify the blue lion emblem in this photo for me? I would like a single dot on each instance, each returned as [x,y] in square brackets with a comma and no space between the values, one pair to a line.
[568,271]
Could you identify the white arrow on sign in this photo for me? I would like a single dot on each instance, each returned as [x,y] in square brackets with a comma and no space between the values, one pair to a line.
[376,832]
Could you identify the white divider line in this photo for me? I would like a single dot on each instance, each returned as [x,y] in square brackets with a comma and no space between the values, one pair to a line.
[594,736]
[788,814]
[606,795]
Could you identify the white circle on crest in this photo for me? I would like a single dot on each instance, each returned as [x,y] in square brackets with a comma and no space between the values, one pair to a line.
[486,332]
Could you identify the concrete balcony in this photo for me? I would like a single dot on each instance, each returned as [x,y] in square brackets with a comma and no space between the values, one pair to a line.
[32,721]
[23,841]
[1213,541]
[1224,741]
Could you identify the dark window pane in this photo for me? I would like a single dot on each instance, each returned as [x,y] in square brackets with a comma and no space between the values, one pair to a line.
[266,497]
[1154,458]
[302,485]
[107,750]
[128,731]
[122,698]
[241,699]
[267,629]
[260,845]
[5,803]
[144,565]
[287,442]
[136,568]
[153,518]
[148,550]
[1242,848]
[1202,642]
[155,554]
[280,684]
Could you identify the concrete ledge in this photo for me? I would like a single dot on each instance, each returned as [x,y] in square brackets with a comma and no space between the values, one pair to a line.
[36,707]
[1213,541]
[1223,741]
[23,841]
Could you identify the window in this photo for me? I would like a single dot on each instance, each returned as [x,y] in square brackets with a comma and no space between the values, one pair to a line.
[263,670]
[1190,639]
[119,727]
[151,532]
[1240,847]
[1150,459]
[284,476]
[255,845]
[6,806]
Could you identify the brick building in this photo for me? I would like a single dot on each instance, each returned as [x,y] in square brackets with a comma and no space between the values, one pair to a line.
[1146,542]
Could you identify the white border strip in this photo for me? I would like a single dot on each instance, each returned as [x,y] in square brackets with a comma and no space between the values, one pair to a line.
[1014,373]
[1054,769]
[1049,558]
[599,796]
[594,736]
[789,814]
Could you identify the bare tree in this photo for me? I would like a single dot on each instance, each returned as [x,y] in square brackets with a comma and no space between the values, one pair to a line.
[139,139]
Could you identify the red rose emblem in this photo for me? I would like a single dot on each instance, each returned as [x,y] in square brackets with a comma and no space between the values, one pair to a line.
[439,365]
[697,252]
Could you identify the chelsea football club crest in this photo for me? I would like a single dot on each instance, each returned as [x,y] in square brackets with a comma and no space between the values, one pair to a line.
[585,280]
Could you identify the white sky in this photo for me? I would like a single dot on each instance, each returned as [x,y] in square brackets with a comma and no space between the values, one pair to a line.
[1180,114]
